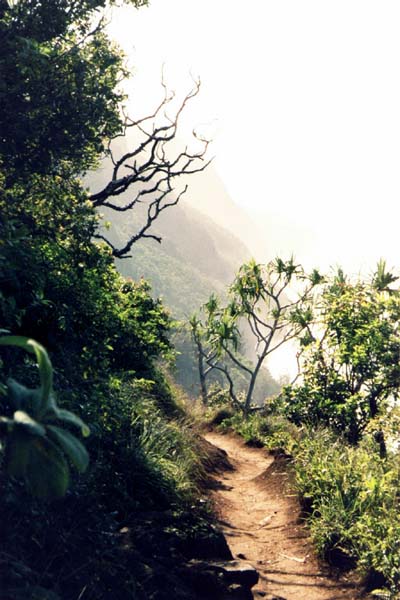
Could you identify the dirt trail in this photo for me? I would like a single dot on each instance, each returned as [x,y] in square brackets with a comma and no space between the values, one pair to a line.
[260,519]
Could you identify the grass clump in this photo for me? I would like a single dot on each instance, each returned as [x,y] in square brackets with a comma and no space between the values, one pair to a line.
[270,431]
[352,497]
[169,450]
[350,494]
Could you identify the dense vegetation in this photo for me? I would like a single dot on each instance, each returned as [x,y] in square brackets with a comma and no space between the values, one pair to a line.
[338,422]
[68,535]
[86,350]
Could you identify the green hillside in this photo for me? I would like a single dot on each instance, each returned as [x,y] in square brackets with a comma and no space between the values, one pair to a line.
[197,257]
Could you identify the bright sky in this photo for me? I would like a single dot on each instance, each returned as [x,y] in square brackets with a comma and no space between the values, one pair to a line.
[305,99]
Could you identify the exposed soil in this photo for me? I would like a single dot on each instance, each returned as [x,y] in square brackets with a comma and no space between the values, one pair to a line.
[261,520]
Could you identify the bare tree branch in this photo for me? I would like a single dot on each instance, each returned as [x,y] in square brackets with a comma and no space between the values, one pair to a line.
[149,172]
[224,369]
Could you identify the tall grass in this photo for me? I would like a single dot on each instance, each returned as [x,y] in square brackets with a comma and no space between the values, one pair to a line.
[353,499]
[168,453]
[350,494]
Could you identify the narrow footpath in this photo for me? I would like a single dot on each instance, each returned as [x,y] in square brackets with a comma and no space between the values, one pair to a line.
[260,518]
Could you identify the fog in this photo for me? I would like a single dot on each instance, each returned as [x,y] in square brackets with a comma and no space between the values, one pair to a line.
[303,100]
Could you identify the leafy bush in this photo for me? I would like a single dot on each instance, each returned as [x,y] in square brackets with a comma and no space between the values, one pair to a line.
[353,499]
[271,431]
[349,362]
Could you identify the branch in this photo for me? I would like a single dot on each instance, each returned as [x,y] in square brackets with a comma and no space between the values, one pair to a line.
[151,168]
[232,394]
[236,361]
[288,336]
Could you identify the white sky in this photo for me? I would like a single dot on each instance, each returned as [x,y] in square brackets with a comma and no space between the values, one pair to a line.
[305,99]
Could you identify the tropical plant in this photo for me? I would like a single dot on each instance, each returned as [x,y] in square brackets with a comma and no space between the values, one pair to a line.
[259,300]
[350,366]
[37,446]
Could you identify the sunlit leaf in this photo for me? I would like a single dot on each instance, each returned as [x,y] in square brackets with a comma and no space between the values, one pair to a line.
[33,427]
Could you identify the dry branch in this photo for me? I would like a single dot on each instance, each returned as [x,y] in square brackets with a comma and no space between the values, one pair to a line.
[150,170]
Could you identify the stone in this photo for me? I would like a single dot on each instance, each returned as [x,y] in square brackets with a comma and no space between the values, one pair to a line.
[238,571]
[229,571]
[238,592]
[262,594]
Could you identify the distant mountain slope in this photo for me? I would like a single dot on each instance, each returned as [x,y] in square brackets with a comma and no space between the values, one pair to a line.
[209,195]
[196,257]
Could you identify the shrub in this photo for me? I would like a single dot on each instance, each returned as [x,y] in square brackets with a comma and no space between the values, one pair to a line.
[270,431]
[352,496]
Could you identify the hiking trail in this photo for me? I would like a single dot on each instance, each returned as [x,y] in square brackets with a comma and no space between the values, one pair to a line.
[260,518]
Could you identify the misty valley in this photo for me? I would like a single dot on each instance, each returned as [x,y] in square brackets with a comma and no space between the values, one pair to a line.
[195,405]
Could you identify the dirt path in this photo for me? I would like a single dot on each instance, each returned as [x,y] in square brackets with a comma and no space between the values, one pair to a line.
[260,519]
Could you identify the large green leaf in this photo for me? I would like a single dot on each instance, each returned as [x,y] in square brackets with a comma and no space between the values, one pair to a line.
[69,417]
[16,340]
[45,372]
[17,453]
[72,447]
[47,471]
[23,398]
[45,368]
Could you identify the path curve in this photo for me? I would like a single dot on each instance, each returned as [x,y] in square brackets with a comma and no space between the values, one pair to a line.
[260,519]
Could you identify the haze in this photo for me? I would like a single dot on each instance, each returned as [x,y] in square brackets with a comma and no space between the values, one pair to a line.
[304,97]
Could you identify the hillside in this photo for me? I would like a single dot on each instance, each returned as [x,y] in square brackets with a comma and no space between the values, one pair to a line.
[209,195]
[196,258]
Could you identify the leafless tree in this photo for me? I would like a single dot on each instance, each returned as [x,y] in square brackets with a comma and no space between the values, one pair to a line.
[148,174]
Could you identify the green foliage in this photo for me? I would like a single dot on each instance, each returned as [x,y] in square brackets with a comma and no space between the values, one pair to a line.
[257,302]
[218,397]
[268,430]
[383,278]
[350,364]
[168,450]
[60,103]
[219,406]
[353,499]
[55,284]
[144,457]
[59,96]
[36,448]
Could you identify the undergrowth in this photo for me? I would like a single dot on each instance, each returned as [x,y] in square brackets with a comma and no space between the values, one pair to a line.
[353,500]
[270,431]
[145,460]
[350,495]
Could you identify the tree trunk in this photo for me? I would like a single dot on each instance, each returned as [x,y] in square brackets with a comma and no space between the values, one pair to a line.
[252,383]
[373,405]
[202,377]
